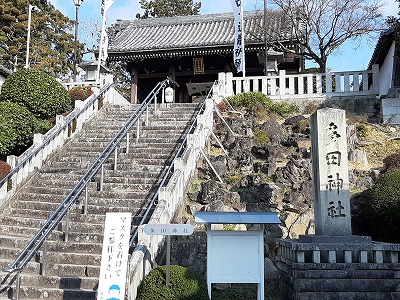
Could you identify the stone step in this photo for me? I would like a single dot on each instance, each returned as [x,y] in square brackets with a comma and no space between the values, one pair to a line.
[121,163]
[37,293]
[33,197]
[85,259]
[142,140]
[28,232]
[75,149]
[32,267]
[46,179]
[68,283]
[61,246]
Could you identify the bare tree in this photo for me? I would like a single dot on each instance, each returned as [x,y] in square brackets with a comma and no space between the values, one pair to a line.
[321,26]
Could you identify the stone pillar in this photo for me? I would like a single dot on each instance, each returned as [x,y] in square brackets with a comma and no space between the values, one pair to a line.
[330,173]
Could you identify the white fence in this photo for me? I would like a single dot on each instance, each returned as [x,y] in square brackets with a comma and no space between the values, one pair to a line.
[44,145]
[170,199]
[291,86]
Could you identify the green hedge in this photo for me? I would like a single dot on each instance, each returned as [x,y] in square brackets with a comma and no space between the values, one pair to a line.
[381,211]
[17,126]
[250,99]
[184,285]
[39,92]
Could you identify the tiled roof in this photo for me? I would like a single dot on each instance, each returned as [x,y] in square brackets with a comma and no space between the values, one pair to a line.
[382,47]
[194,32]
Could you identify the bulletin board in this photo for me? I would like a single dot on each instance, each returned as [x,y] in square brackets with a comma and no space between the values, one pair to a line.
[235,257]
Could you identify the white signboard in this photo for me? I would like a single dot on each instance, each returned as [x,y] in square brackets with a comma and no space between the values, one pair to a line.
[235,257]
[114,257]
[168,229]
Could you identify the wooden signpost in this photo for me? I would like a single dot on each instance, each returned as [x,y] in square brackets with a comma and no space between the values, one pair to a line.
[168,230]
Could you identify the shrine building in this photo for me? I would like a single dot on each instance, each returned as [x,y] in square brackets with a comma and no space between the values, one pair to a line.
[192,50]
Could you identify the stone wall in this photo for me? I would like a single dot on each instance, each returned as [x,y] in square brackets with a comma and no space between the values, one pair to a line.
[190,251]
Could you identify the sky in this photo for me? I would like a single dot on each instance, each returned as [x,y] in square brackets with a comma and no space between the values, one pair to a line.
[349,57]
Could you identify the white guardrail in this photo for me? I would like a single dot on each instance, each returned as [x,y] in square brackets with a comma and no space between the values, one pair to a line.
[291,86]
[44,145]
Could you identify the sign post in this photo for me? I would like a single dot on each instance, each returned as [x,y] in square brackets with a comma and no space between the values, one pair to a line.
[168,230]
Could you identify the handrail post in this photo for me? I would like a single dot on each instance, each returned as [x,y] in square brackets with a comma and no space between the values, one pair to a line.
[101,177]
[85,203]
[137,130]
[44,259]
[147,115]
[127,143]
[66,227]
[115,158]
[155,104]
[17,285]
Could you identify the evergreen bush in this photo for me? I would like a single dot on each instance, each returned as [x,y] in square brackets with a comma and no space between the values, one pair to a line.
[17,126]
[381,212]
[184,285]
[248,99]
[392,162]
[251,99]
[39,92]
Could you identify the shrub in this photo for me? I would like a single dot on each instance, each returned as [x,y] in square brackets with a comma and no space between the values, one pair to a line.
[251,99]
[80,92]
[17,126]
[248,99]
[260,136]
[184,285]
[39,92]
[284,109]
[5,168]
[362,130]
[392,162]
[381,210]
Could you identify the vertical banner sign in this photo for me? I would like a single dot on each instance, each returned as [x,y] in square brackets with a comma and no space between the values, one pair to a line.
[105,6]
[238,49]
[114,258]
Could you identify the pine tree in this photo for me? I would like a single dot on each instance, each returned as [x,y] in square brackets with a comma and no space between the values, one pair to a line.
[52,40]
[168,8]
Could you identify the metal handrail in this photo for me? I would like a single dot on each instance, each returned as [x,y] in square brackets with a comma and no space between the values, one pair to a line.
[48,139]
[36,242]
[167,174]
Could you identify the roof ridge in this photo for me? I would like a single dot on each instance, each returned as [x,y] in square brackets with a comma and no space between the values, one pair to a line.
[186,19]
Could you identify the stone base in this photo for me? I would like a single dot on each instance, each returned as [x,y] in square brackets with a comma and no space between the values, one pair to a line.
[325,239]
[335,268]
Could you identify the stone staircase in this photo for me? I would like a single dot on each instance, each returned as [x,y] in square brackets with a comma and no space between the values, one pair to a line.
[72,268]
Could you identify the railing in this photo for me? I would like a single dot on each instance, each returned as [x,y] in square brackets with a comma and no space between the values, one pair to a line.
[291,86]
[170,195]
[62,211]
[361,253]
[46,144]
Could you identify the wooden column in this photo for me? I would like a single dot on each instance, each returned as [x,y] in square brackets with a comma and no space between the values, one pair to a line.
[134,85]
